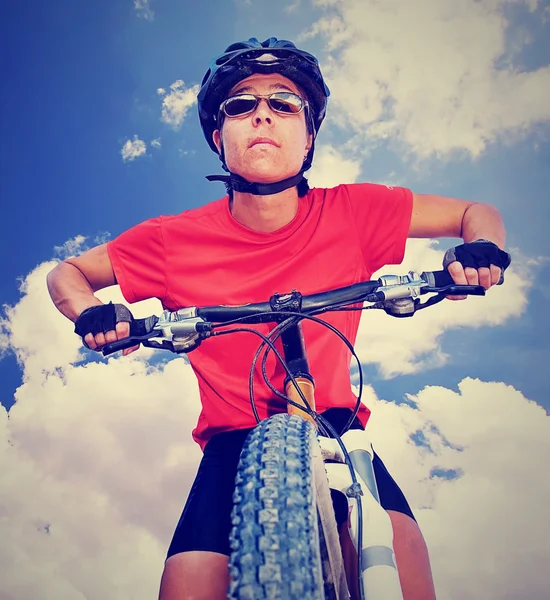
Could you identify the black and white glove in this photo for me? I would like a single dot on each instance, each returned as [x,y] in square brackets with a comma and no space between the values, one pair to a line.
[97,321]
[477,255]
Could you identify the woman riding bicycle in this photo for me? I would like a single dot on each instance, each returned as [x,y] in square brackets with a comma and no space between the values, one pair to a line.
[260,107]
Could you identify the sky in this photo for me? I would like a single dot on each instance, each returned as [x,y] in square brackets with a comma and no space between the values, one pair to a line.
[99,131]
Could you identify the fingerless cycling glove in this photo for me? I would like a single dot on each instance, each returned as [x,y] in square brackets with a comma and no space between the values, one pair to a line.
[101,319]
[480,253]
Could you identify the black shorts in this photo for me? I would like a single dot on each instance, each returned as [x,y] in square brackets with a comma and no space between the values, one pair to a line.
[205,523]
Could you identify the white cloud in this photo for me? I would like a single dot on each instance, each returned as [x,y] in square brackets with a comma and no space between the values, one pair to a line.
[183,152]
[143,10]
[42,338]
[399,346]
[330,168]
[132,149]
[156,143]
[38,335]
[437,75]
[176,103]
[292,8]
[72,247]
[4,340]
[486,523]
[96,462]
[78,245]
[102,237]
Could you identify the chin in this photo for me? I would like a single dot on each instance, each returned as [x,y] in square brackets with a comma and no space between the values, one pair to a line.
[264,177]
[266,174]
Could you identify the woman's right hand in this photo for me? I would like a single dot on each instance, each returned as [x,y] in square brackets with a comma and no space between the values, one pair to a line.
[104,324]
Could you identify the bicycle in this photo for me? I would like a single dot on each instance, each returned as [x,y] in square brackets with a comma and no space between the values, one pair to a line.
[284,540]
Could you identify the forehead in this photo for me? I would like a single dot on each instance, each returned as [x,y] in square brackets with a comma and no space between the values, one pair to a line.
[260,84]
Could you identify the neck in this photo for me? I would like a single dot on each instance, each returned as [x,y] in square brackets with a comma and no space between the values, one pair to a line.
[265,213]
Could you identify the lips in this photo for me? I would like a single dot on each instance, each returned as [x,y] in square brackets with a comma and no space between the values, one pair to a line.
[263,140]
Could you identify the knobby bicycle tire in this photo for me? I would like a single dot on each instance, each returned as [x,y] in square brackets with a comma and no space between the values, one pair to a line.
[282,546]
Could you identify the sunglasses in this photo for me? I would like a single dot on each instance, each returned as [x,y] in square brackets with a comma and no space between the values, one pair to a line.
[285,103]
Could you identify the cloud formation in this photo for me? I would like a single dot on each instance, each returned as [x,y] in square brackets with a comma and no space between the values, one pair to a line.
[72,247]
[330,168]
[403,346]
[97,460]
[143,10]
[132,149]
[79,244]
[292,8]
[438,76]
[177,102]
[485,522]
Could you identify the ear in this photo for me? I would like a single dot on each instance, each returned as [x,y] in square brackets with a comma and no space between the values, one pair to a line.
[217,139]
[309,143]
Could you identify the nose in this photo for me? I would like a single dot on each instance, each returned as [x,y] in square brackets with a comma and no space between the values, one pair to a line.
[262,112]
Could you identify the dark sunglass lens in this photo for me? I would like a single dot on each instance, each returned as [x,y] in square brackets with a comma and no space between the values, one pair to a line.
[286,103]
[239,106]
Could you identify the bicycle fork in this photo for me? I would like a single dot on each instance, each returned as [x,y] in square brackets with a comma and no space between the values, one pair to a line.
[380,576]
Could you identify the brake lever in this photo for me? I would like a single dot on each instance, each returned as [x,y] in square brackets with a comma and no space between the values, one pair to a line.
[450,290]
[408,306]
[159,344]
[455,290]
[132,340]
[177,345]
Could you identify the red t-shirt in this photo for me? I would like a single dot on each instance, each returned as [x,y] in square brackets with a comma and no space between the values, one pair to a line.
[204,257]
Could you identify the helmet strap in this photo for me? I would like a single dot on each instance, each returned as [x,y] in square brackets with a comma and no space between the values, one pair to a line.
[239,184]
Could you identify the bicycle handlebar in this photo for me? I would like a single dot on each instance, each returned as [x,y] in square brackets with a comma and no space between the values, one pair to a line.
[179,331]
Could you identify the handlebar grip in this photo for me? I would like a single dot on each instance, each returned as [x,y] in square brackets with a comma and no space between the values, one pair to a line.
[437,278]
[120,345]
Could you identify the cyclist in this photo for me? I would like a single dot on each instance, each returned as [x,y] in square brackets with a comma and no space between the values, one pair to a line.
[260,108]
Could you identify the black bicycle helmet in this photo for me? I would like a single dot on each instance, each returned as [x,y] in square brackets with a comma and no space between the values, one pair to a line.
[239,61]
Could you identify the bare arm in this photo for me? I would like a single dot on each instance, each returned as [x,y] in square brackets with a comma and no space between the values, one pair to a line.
[439,216]
[72,284]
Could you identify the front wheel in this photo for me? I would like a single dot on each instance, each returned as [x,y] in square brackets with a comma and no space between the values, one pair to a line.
[275,547]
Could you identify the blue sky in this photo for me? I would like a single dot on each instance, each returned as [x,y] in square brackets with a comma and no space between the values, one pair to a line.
[445,98]
[82,80]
